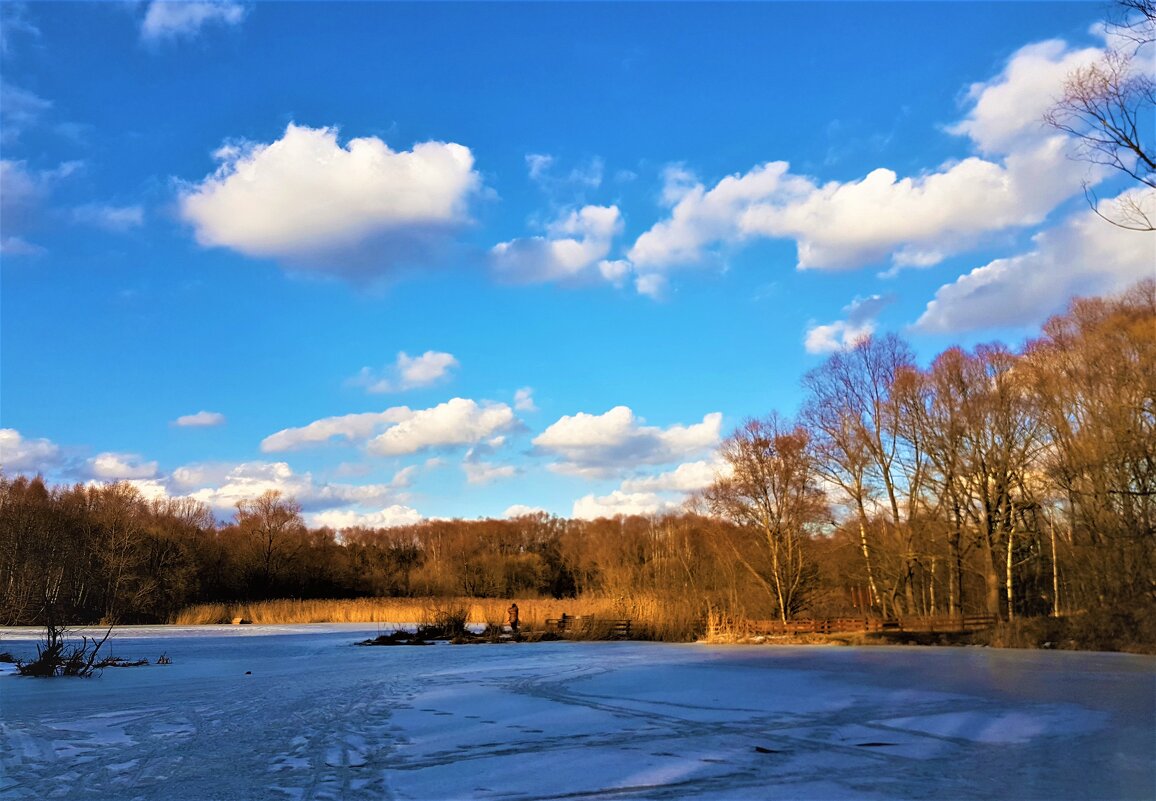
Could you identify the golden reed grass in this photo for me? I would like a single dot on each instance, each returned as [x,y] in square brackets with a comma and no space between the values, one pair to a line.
[652,618]
[533,611]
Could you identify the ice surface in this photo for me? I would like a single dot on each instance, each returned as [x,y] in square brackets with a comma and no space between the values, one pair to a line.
[248,713]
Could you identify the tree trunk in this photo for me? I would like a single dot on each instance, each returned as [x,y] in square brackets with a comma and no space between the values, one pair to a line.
[1008,575]
[955,575]
[863,545]
[1055,573]
[991,579]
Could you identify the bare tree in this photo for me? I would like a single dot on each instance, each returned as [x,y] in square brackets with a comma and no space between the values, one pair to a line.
[864,450]
[1094,376]
[772,489]
[1108,106]
[1004,448]
[946,427]
[272,524]
[120,513]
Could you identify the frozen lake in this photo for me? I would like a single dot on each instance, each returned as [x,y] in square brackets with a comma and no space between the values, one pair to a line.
[290,713]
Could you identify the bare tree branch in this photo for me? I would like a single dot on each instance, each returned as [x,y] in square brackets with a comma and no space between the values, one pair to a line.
[1109,108]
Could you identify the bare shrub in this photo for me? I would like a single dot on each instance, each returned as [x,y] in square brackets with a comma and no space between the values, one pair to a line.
[444,618]
[56,657]
[1106,629]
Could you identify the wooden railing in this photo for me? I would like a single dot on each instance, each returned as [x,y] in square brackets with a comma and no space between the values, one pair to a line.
[947,623]
[589,626]
[835,625]
[827,625]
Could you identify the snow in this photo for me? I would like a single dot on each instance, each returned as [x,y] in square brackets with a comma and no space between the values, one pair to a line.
[248,713]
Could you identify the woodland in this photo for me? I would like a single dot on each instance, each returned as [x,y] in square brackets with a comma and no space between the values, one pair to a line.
[1014,483]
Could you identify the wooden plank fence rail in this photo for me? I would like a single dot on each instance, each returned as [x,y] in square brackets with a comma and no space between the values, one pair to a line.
[946,623]
[836,625]
[589,626]
[622,629]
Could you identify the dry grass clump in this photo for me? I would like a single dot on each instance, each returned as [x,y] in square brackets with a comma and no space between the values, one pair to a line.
[724,628]
[444,618]
[665,618]
[200,615]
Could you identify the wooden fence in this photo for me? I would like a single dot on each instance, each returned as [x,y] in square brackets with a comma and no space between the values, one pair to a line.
[835,625]
[589,627]
[586,626]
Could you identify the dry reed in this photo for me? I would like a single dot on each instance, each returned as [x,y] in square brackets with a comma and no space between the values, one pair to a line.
[652,618]
[534,611]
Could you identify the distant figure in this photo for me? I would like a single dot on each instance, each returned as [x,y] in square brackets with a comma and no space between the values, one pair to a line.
[512,618]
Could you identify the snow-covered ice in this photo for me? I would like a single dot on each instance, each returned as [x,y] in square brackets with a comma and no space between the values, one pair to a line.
[296,713]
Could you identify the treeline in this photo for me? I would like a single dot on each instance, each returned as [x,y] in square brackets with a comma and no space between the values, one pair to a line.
[105,553]
[1015,483]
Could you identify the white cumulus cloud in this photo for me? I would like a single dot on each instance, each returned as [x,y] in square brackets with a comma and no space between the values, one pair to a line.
[701,217]
[918,220]
[1010,108]
[19,454]
[338,519]
[456,422]
[600,445]
[111,466]
[420,371]
[352,428]
[408,372]
[521,510]
[1082,256]
[152,489]
[221,486]
[355,210]
[686,478]
[574,249]
[1021,171]
[591,507]
[652,494]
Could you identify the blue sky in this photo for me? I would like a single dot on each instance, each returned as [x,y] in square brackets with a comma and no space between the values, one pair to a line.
[464,260]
